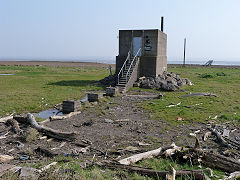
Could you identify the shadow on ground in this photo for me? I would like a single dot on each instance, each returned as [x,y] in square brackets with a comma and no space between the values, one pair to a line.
[76,83]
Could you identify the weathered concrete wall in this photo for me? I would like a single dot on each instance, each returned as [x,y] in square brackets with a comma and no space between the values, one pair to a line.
[154,50]
[119,62]
[125,40]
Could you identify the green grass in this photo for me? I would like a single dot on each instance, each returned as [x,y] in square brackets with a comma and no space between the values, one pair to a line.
[95,172]
[32,89]
[223,82]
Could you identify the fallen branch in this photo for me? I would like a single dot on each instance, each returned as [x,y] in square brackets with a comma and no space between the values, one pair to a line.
[172,150]
[5,119]
[172,174]
[197,174]
[4,136]
[55,117]
[211,160]
[149,154]
[220,139]
[233,143]
[67,136]
[47,167]
[15,126]
[206,135]
[234,175]
[138,157]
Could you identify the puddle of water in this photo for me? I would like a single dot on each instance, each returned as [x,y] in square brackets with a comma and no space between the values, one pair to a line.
[84,99]
[6,74]
[46,114]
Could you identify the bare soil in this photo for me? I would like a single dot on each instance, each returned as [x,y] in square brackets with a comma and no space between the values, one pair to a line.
[108,139]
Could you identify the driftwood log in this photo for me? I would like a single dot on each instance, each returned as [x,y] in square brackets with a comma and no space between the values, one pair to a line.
[67,136]
[55,117]
[211,159]
[5,119]
[223,141]
[220,139]
[15,126]
[137,157]
[234,175]
[197,174]
[149,154]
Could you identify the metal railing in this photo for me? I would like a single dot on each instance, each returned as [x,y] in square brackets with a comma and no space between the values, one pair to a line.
[135,57]
[124,65]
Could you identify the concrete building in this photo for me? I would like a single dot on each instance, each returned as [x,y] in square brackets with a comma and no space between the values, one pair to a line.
[151,46]
[141,53]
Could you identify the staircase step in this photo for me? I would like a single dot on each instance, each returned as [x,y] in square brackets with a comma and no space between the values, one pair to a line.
[121,85]
[121,81]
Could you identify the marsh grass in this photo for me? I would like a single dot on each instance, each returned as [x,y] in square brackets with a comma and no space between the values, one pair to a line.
[71,168]
[225,83]
[36,88]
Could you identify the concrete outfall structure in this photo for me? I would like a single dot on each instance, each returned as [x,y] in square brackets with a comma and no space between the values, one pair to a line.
[141,53]
[153,53]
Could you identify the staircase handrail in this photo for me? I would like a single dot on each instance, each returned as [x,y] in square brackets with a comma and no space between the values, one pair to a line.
[132,63]
[124,64]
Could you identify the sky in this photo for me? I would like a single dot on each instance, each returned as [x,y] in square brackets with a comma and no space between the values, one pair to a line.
[88,29]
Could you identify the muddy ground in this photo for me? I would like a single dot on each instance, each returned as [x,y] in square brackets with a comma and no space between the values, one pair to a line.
[97,125]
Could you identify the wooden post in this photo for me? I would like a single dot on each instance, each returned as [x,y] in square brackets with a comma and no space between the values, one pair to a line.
[184,52]
[110,69]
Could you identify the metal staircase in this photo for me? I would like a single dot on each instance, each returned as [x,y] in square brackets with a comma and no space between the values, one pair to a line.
[125,79]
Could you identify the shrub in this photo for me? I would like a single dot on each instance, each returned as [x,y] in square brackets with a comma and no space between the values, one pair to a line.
[206,75]
[220,74]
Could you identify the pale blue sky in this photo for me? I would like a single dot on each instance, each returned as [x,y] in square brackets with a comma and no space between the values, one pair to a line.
[89,28]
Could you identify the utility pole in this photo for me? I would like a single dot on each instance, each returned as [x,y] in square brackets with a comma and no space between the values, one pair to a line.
[184,52]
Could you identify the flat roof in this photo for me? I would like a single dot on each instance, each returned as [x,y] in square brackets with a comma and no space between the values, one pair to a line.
[139,29]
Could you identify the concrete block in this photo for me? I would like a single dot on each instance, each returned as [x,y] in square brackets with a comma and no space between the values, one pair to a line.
[93,97]
[112,91]
[71,106]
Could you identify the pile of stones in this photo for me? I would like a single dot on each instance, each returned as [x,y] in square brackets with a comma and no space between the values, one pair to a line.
[166,81]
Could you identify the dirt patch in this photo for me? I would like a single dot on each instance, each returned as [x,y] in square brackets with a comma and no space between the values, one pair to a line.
[116,126]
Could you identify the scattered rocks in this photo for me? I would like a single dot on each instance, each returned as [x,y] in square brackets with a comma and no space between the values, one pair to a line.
[29,173]
[166,81]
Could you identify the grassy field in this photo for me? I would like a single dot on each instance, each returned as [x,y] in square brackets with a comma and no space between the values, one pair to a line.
[37,88]
[32,89]
[225,83]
